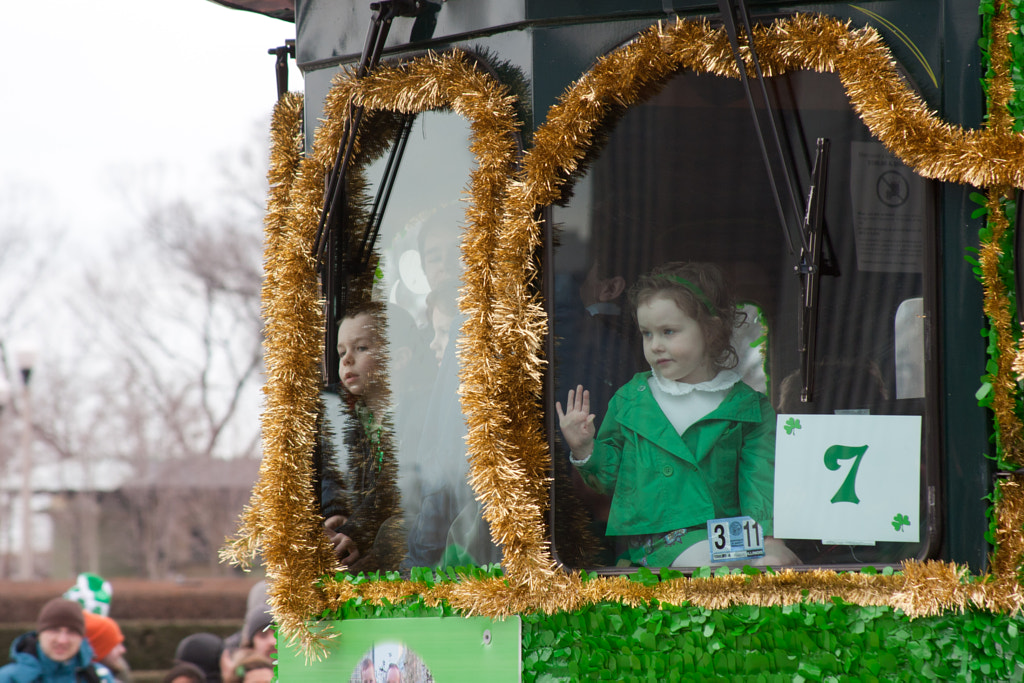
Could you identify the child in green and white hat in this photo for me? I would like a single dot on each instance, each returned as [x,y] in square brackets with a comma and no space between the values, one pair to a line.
[92,592]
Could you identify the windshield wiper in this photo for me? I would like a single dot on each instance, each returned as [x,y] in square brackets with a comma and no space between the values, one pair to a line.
[810,268]
[335,266]
[380,201]
[735,16]
[813,236]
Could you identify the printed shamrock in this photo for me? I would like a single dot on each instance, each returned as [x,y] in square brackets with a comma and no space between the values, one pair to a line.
[900,521]
[791,425]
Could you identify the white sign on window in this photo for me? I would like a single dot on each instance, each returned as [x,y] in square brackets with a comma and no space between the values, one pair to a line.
[889,210]
[848,478]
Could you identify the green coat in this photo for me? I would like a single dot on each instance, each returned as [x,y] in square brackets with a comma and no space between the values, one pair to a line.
[723,465]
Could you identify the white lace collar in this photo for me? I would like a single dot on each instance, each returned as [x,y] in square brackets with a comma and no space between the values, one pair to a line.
[723,380]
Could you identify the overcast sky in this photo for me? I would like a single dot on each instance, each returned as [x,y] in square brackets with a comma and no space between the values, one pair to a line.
[100,92]
[106,99]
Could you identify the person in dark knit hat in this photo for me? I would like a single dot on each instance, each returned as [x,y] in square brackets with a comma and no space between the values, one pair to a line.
[256,632]
[60,613]
[202,650]
[184,672]
[56,652]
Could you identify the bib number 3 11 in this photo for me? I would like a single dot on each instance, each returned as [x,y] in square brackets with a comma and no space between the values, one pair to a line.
[735,538]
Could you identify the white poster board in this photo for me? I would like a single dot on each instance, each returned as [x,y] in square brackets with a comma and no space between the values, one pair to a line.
[848,478]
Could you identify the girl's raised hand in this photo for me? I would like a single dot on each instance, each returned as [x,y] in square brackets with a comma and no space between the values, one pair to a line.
[577,422]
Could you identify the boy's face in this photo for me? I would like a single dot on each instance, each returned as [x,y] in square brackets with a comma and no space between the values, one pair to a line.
[673,341]
[357,353]
[59,644]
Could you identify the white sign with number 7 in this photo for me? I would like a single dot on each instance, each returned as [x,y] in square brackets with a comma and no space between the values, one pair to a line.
[848,478]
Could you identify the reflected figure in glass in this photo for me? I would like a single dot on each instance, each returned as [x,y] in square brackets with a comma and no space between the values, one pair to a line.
[394,474]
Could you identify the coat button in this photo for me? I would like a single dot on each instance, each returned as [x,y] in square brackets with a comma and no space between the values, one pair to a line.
[641,388]
[667,470]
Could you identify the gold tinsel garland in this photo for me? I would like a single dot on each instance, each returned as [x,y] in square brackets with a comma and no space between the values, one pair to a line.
[997,304]
[997,308]
[1009,499]
[282,520]
[500,348]
[283,509]
[893,113]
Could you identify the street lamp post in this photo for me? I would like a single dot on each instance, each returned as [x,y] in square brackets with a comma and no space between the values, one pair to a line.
[26,360]
[6,544]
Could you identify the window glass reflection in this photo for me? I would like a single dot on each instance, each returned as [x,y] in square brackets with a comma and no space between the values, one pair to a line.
[680,180]
[393,484]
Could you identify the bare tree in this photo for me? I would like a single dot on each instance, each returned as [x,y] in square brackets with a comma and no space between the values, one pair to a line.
[170,385]
[27,246]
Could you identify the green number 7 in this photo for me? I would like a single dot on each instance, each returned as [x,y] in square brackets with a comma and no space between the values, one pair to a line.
[847,493]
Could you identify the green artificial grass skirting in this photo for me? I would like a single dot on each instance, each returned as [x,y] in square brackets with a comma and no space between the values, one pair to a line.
[814,642]
[808,642]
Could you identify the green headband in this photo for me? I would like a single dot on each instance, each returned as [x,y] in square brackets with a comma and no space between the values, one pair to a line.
[694,289]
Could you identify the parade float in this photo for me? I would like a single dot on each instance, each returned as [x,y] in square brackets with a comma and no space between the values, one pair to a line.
[854,169]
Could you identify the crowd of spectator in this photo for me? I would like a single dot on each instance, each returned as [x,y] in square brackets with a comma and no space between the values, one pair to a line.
[76,641]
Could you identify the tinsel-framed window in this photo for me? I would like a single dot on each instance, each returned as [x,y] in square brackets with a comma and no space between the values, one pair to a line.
[502,340]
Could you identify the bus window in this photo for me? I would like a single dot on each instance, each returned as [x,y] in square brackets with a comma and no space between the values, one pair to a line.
[842,476]
[395,488]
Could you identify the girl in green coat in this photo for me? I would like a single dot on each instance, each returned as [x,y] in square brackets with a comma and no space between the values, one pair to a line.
[686,442]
